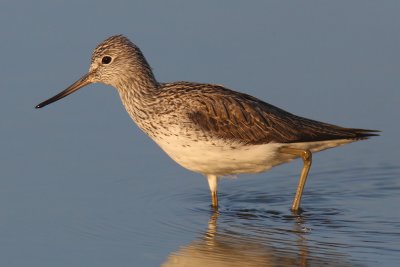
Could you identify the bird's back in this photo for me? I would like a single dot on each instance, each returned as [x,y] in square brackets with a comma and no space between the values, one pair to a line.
[229,115]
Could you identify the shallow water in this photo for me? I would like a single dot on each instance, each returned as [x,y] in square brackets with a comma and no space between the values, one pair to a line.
[346,221]
[137,207]
[255,228]
[81,186]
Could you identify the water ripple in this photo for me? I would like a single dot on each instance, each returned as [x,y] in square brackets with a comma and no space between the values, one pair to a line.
[334,224]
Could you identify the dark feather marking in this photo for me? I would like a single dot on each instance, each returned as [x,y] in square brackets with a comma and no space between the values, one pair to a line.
[226,110]
[226,114]
[257,122]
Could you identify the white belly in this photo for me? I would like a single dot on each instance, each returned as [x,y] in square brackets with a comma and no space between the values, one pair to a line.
[221,158]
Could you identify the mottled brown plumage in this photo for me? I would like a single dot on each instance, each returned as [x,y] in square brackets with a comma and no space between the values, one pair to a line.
[235,116]
[207,128]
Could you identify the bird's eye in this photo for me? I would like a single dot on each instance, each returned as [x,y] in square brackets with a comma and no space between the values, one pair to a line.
[106,60]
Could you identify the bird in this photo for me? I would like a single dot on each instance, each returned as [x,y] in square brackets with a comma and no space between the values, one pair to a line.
[208,128]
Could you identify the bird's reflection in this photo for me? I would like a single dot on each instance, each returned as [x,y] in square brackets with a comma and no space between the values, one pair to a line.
[224,247]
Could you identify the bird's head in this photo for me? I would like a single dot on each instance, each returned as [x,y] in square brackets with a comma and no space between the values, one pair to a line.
[116,62]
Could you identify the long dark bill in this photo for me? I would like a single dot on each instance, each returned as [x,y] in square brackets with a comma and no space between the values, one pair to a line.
[72,88]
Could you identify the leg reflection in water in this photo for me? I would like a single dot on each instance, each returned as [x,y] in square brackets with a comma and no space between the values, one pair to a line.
[231,244]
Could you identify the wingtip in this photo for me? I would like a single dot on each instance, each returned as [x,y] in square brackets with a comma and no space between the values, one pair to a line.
[365,134]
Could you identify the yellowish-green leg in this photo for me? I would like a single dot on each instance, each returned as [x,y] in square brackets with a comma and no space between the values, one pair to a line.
[213,184]
[306,155]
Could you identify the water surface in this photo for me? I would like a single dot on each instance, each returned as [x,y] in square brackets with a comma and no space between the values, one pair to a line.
[80,185]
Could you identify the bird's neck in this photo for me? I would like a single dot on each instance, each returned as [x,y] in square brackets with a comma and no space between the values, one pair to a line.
[138,91]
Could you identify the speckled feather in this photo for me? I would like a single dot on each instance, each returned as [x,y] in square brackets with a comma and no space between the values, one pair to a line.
[212,111]
[230,115]
[205,127]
